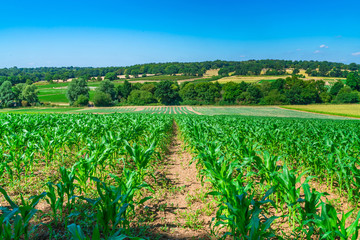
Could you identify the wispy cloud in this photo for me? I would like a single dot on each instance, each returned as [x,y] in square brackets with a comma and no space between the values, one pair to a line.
[324,46]
[317,51]
[356,54]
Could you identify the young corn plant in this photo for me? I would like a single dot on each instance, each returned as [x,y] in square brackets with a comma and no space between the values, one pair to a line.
[140,156]
[16,221]
[111,208]
[331,227]
[245,217]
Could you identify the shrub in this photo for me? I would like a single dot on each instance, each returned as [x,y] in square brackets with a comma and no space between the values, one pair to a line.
[82,100]
[346,95]
[102,99]
[140,97]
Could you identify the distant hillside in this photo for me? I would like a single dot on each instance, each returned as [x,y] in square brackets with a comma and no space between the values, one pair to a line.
[245,68]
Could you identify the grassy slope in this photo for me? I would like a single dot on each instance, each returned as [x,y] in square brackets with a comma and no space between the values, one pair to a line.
[346,110]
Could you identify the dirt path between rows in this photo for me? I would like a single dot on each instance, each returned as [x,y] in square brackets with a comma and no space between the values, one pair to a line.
[184,212]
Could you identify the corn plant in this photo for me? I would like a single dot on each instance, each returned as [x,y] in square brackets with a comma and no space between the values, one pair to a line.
[19,215]
[245,218]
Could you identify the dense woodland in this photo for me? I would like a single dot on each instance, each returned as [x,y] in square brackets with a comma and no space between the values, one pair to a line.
[252,67]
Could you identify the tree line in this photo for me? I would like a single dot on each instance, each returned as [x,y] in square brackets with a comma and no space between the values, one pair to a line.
[251,67]
[292,90]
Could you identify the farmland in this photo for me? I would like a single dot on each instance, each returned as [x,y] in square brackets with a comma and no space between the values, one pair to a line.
[347,110]
[67,175]
[264,111]
[264,78]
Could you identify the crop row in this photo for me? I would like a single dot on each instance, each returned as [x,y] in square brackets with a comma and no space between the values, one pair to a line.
[78,176]
[266,173]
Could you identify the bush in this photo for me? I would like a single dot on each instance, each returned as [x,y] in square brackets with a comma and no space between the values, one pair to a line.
[102,99]
[346,95]
[140,97]
[82,100]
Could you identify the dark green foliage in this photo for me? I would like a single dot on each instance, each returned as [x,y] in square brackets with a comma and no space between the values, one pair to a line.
[336,88]
[150,87]
[231,91]
[76,88]
[346,95]
[353,81]
[274,98]
[81,101]
[126,89]
[7,96]
[296,71]
[111,76]
[106,86]
[29,94]
[102,99]
[167,92]
[141,97]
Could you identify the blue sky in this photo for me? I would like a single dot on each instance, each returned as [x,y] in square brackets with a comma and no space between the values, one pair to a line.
[119,33]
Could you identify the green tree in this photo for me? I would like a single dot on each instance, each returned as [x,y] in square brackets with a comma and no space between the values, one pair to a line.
[296,71]
[274,98]
[29,94]
[140,97]
[111,76]
[335,89]
[150,87]
[102,99]
[126,89]
[231,91]
[353,81]
[188,93]
[81,101]
[7,96]
[77,87]
[346,95]
[106,86]
[167,92]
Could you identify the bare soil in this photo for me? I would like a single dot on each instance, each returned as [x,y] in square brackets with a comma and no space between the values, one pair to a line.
[180,206]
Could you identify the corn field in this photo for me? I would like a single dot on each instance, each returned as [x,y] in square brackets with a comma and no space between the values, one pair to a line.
[266,172]
[86,176]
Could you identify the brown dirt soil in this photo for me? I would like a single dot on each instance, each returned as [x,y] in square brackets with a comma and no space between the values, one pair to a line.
[180,206]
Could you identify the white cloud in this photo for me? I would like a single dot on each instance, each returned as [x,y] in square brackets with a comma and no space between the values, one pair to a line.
[324,46]
[317,51]
[356,54]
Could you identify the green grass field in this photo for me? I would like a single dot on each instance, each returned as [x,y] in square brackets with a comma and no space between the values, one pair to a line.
[55,95]
[346,110]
